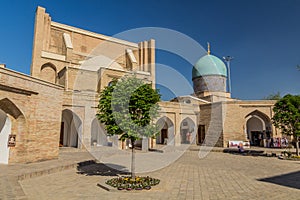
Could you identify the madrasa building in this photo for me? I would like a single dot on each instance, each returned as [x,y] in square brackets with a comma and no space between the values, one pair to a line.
[56,105]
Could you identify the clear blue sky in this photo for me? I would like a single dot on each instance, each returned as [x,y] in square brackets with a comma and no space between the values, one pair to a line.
[263,36]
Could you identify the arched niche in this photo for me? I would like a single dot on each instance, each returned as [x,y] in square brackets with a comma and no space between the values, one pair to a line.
[187,131]
[48,72]
[71,129]
[166,135]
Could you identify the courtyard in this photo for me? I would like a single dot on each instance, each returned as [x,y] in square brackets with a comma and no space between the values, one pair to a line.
[216,176]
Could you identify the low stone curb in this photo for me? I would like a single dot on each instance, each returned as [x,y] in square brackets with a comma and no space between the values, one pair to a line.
[156,150]
[45,172]
[106,187]
[51,170]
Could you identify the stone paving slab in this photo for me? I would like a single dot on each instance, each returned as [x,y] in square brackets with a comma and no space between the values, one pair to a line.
[184,181]
[11,174]
[216,176]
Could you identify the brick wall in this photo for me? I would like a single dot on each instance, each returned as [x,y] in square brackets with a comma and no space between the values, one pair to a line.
[40,105]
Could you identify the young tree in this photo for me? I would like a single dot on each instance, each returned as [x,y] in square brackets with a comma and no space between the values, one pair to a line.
[127,108]
[287,117]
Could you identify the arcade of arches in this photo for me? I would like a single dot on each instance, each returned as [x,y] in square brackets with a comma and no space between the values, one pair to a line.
[50,108]
[187,131]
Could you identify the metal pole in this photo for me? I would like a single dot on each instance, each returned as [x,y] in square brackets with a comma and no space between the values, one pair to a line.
[229,81]
[227,59]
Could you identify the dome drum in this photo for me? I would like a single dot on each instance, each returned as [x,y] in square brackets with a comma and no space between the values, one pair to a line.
[212,83]
[209,75]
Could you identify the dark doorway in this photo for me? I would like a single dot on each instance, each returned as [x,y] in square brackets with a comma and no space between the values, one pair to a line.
[61,138]
[164,136]
[256,138]
[201,134]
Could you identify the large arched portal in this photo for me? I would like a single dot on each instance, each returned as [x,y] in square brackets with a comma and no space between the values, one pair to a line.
[166,135]
[98,134]
[187,131]
[258,128]
[5,130]
[71,129]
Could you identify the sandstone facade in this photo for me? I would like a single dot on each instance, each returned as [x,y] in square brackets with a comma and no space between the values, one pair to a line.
[56,105]
[34,108]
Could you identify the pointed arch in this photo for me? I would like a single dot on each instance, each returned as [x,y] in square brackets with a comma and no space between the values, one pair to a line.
[12,121]
[10,108]
[71,129]
[258,128]
[262,115]
[167,134]
[48,72]
[5,130]
[187,131]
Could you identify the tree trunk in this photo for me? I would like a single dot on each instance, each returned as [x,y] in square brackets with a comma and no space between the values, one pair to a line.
[297,145]
[132,159]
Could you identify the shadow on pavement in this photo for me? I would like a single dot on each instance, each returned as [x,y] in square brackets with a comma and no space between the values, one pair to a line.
[91,168]
[288,180]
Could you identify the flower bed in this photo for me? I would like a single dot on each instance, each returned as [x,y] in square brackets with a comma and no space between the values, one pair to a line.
[128,183]
[294,157]
[287,155]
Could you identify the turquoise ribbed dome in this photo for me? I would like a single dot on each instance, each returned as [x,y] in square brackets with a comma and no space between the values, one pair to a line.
[209,65]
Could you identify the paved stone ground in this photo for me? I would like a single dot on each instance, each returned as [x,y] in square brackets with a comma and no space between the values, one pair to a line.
[11,174]
[217,176]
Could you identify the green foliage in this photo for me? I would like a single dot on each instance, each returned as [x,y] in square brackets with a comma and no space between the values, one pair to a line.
[105,112]
[127,107]
[287,115]
[274,96]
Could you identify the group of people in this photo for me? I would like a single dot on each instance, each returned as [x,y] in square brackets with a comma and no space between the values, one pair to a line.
[270,143]
[277,142]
